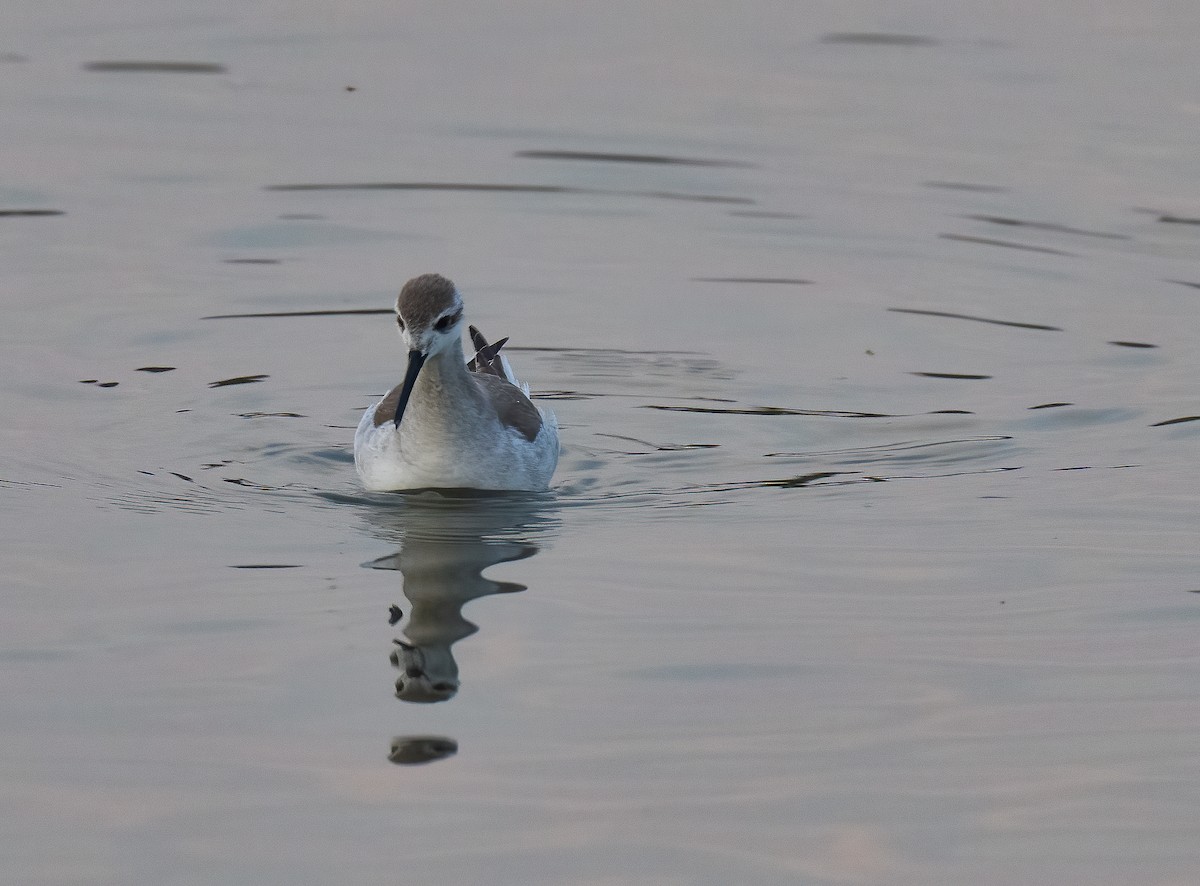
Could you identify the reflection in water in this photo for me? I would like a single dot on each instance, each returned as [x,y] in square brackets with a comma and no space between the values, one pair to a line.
[409,750]
[440,577]
[445,544]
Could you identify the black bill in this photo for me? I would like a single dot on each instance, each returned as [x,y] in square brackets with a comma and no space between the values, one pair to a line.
[415,361]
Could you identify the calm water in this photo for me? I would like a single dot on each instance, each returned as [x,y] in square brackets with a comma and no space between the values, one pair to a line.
[871,557]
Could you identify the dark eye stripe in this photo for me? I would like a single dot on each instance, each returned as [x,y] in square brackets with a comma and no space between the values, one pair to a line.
[400,321]
[446,322]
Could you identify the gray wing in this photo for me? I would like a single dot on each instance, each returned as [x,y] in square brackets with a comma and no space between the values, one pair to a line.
[513,408]
[386,410]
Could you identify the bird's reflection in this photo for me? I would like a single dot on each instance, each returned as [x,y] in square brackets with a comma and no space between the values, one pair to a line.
[441,575]
[409,750]
[445,544]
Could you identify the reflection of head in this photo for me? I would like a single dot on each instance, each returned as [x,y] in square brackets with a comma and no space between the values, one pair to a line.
[430,674]
[409,750]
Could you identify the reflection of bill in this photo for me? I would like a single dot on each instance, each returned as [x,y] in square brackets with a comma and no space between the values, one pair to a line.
[409,750]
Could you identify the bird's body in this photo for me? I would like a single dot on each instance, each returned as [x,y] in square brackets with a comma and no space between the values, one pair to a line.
[451,424]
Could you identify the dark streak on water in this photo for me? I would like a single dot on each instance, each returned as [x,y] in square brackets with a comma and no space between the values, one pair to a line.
[802,480]
[1175,421]
[768,410]
[892,448]
[952,375]
[1050,405]
[852,477]
[425,186]
[1179,220]
[1132,344]
[507,189]
[871,38]
[663,447]
[988,241]
[617,351]
[954,316]
[797,482]
[1094,468]
[563,395]
[762,213]
[1186,283]
[792,281]
[238,380]
[29,213]
[1044,226]
[266,566]
[155,369]
[965,186]
[27,484]
[656,159]
[155,67]
[249,484]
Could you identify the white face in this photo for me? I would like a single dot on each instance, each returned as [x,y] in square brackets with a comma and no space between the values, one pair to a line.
[431,334]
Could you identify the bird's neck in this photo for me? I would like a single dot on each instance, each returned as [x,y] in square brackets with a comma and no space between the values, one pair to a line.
[444,377]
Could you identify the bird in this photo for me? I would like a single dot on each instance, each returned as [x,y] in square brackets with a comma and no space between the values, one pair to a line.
[453,424]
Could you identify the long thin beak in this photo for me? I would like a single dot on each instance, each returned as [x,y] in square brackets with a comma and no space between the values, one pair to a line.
[415,361]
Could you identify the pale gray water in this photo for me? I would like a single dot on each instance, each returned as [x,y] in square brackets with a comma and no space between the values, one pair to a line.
[832,587]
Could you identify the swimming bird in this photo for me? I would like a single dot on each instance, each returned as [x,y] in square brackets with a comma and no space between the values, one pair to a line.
[452,424]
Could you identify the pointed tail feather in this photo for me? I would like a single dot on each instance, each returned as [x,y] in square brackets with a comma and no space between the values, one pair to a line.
[490,361]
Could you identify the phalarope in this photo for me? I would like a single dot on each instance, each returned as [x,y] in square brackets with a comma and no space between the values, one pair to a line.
[453,424]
